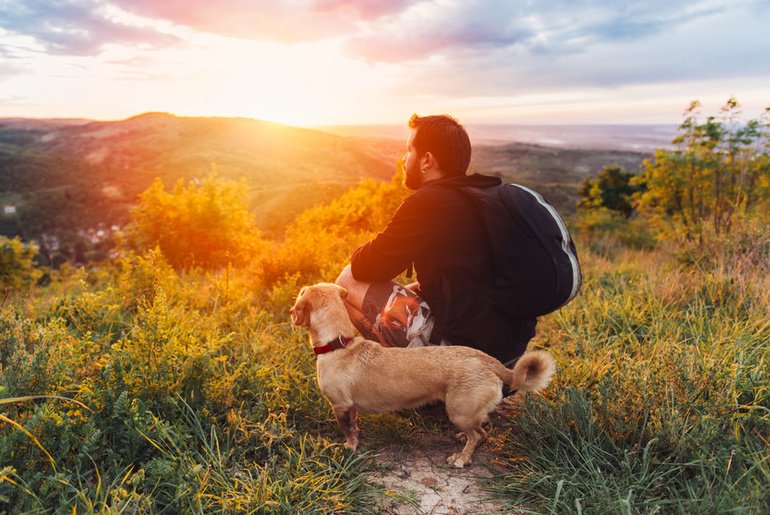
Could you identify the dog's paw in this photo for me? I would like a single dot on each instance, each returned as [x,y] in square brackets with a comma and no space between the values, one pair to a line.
[457,460]
[351,444]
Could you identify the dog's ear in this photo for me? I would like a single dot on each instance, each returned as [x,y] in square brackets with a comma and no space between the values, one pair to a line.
[300,311]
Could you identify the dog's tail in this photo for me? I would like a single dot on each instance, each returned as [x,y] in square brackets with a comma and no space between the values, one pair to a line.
[532,372]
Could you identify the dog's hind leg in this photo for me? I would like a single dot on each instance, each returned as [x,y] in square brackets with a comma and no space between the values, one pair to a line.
[469,420]
[347,419]
[465,457]
[462,437]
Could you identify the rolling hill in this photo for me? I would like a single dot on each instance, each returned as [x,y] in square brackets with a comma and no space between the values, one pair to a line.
[69,178]
[64,176]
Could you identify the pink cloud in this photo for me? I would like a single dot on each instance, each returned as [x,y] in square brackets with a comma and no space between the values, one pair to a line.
[288,21]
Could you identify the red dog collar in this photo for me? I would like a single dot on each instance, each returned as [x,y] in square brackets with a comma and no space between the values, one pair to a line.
[337,343]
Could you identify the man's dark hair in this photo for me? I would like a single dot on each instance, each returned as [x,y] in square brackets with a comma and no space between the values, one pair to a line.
[445,139]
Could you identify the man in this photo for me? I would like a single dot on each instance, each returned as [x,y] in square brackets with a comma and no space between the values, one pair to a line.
[437,232]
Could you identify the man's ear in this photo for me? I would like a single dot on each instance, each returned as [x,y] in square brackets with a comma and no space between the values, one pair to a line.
[300,311]
[428,162]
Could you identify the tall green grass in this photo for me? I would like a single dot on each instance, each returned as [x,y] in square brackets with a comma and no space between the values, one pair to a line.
[662,399]
[194,394]
[133,388]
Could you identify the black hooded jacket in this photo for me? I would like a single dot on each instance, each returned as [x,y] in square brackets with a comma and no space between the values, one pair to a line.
[439,232]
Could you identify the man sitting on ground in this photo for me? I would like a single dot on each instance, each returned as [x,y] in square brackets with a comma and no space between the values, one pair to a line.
[438,233]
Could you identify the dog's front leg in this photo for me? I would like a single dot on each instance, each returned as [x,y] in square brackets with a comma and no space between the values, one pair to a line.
[347,419]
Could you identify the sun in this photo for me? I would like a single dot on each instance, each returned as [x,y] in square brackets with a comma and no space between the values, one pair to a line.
[304,84]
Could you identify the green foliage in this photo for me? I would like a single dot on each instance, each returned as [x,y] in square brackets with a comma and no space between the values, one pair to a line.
[661,401]
[554,172]
[612,189]
[320,241]
[605,208]
[605,231]
[194,397]
[205,224]
[717,174]
[195,394]
[17,268]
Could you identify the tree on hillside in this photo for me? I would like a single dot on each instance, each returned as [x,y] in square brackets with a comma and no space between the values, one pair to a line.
[17,267]
[202,224]
[612,189]
[319,243]
[718,172]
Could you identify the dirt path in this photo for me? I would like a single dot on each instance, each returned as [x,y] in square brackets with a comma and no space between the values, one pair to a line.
[417,479]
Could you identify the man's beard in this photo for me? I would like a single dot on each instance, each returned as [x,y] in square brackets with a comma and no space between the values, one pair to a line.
[412,175]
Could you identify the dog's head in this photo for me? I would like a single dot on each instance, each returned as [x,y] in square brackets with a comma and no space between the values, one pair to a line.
[313,298]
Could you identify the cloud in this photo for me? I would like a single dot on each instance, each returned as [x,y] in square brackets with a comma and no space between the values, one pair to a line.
[552,28]
[8,70]
[390,31]
[73,27]
[412,52]
[278,20]
[431,28]
[518,48]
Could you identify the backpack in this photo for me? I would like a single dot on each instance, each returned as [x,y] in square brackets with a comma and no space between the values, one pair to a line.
[536,265]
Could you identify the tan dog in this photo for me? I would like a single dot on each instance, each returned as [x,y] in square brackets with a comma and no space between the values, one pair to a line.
[358,374]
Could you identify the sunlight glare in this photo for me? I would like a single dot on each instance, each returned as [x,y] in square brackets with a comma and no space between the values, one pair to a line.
[302,84]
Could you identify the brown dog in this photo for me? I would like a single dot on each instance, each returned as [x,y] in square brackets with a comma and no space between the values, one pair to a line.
[357,374]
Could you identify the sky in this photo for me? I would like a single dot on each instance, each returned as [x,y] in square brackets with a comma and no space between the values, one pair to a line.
[324,62]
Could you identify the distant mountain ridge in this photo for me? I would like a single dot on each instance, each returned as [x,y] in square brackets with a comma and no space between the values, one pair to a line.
[626,137]
[40,123]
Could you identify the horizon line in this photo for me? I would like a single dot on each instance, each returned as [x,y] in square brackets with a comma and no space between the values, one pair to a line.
[321,125]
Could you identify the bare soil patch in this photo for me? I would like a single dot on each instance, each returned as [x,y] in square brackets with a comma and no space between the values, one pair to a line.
[417,479]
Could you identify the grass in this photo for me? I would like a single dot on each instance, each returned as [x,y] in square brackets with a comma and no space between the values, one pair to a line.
[191,396]
[193,393]
[661,403]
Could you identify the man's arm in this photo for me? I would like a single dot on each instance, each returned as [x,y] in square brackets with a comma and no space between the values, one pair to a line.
[354,302]
[383,258]
[395,248]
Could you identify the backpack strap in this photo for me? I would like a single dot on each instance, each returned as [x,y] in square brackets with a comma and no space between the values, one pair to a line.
[472,198]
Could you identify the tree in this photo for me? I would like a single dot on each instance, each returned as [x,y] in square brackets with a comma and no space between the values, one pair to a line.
[202,224]
[612,189]
[17,268]
[319,243]
[718,172]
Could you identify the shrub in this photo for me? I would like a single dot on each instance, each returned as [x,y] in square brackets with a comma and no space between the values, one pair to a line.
[612,189]
[322,239]
[192,394]
[17,269]
[200,224]
[717,174]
